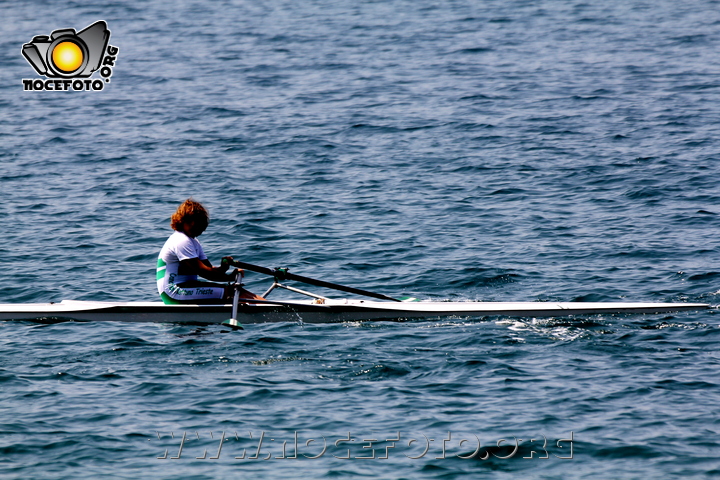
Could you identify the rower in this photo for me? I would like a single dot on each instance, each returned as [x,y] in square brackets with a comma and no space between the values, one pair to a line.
[182,260]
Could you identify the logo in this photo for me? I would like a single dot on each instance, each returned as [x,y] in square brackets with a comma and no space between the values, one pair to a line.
[68,59]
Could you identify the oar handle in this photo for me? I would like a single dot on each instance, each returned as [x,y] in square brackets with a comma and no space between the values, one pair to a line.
[282,274]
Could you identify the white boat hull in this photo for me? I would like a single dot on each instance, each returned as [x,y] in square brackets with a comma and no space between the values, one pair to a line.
[332,311]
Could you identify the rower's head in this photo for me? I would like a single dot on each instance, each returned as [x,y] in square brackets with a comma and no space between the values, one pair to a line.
[190,218]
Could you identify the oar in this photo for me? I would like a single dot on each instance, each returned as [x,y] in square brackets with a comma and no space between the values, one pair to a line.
[282,274]
[233,322]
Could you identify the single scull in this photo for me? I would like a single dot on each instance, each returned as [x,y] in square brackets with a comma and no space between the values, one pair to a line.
[317,310]
[310,312]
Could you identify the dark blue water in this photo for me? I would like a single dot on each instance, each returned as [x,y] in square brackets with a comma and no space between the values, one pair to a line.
[495,150]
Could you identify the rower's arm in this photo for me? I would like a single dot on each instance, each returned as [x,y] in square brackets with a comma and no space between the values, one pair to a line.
[203,268]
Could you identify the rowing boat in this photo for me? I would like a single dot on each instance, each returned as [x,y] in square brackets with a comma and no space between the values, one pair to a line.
[333,310]
[318,309]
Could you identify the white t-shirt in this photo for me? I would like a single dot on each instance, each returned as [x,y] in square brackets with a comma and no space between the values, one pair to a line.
[178,247]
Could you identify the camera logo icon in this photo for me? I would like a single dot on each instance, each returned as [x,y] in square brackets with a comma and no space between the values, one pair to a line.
[68,54]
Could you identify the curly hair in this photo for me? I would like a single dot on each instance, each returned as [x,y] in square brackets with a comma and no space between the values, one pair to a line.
[189,210]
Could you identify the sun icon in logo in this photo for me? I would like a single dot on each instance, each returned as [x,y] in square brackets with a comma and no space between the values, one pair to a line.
[67,56]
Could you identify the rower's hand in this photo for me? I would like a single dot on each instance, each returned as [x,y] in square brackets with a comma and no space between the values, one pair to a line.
[226,262]
[233,275]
